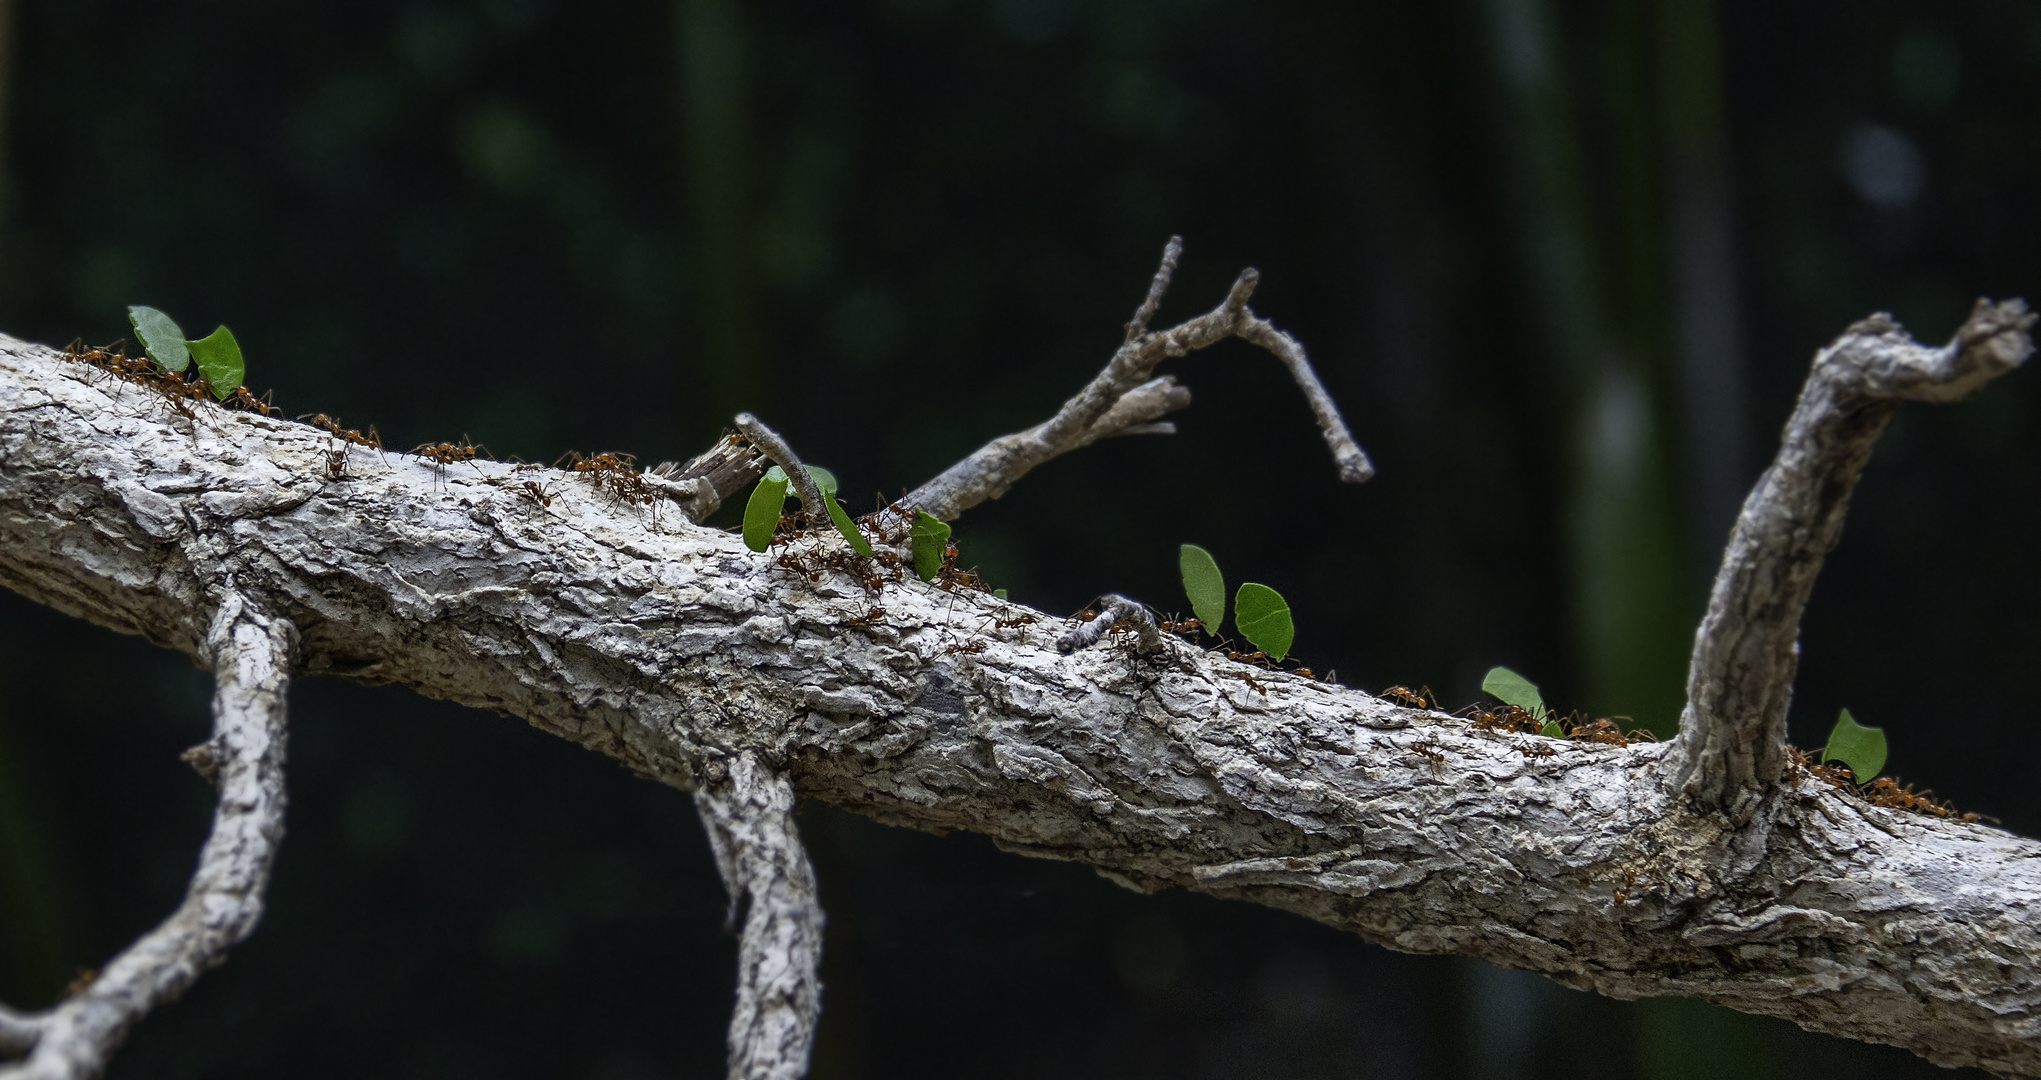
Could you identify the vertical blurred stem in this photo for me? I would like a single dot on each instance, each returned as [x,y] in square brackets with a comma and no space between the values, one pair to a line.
[1628,609]
[1680,1038]
[1709,317]
[713,74]
[35,931]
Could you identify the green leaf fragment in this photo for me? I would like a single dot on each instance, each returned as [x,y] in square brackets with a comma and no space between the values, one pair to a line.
[1861,748]
[762,510]
[219,360]
[1552,730]
[841,519]
[1204,584]
[1000,593]
[824,479]
[930,536]
[1263,617]
[162,339]
[1516,690]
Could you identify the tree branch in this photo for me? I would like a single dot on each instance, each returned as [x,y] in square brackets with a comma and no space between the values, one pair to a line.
[1731,748]
[19,1031]
[1095,412]
[680,653]
[749,814]
[74,1039]
[776,448]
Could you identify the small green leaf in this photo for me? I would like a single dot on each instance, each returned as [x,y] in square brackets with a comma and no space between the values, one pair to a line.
[1552,730]
[841,519]
[1516,690]
[219,360]
[1204,584]
[824,479]
[1263,617]
[929,535]
[762,511]
[1861,748]
[162,339]
[1000,593]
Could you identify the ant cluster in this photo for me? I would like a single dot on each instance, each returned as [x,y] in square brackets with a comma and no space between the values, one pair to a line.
[1882,791]
[1515,718]
[615,475]
[179,388]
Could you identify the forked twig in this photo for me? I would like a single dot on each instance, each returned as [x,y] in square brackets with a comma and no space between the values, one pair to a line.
[1124,398]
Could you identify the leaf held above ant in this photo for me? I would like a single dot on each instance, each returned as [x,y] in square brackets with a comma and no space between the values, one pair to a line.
[1263,617]
[930,536]
[219,360]
[762,511]
[160,336]
[1861,748]
[1514,689]
[1203,584]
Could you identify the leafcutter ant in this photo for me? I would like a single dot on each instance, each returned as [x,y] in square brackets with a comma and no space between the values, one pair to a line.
[536,492]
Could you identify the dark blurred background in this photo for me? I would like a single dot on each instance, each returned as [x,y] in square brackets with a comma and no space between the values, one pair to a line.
[1563,263]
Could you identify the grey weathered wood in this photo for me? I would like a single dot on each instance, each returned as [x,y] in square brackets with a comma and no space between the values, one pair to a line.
[685,656]
[247,647]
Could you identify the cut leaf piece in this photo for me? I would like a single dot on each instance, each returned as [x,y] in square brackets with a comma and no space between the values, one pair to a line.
[162,339]
[930,535]
[1514,689]
[762,511]
[1861,748]
[824,479]
[219,360]
[1204,584]
[1000,593]
[841,519]
[1263,617]
[1552,730]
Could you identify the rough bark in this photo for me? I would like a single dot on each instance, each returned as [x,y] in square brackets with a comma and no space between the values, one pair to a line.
[690,659]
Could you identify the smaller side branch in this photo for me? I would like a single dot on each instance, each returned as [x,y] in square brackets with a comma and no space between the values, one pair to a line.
[1731,748]
[1172,253]
[749,815]
[73,1040]
[776,448]
[1095,412]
